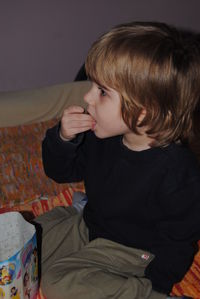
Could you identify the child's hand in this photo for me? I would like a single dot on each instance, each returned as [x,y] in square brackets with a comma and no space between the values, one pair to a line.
[74,121]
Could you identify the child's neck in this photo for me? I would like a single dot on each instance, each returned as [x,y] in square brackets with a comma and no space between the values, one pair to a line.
[137,142]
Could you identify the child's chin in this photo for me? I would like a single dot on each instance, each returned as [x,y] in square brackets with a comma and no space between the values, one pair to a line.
[98,134]
[102,135]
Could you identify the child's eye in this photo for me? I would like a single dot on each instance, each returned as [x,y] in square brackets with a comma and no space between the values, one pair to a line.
[102,91]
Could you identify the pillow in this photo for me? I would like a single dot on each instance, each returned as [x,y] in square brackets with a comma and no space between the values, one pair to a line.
[22,178]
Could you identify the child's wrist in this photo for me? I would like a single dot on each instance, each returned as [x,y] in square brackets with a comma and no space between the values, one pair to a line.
[64,138]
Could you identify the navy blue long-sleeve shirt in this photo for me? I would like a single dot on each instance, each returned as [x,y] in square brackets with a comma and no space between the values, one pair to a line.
[148,200]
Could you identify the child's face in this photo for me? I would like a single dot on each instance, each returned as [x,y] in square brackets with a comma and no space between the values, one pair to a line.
[104,105]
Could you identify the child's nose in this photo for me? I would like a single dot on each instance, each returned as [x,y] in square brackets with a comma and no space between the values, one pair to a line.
[88,98]
[85,98]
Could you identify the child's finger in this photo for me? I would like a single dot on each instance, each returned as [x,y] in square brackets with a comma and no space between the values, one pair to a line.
[75,121]
[81,130]
[78,117]
[74,109]
[80,123]
[74,131]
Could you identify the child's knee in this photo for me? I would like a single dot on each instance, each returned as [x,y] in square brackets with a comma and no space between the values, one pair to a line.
[58,285]
[52,287]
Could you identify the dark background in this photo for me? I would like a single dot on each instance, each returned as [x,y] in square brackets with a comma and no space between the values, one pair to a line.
[44,42]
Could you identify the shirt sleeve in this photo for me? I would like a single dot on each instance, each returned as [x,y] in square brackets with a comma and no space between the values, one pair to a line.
[63,161]
[179,232]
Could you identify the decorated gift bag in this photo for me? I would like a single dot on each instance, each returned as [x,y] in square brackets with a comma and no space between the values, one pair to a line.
[18,258]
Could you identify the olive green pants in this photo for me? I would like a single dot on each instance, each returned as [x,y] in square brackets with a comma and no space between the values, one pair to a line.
[74,268]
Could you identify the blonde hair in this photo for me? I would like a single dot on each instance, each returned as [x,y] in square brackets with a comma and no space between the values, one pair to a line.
[154,67]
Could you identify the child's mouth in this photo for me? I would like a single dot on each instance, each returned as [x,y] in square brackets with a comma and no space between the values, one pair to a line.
[93,126]
[94,121]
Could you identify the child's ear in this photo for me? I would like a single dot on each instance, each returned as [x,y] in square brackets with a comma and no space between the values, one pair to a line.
[141,116]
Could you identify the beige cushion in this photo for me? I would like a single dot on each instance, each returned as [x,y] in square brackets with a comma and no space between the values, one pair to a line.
[41,104]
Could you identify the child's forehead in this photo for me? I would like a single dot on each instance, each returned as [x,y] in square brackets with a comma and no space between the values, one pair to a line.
[104,78]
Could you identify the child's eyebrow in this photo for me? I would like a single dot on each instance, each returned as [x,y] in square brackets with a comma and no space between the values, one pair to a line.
[103,87]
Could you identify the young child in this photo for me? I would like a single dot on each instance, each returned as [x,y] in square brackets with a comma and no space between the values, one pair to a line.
[138,231]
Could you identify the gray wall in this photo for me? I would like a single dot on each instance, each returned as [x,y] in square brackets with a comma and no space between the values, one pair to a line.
[44,42]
